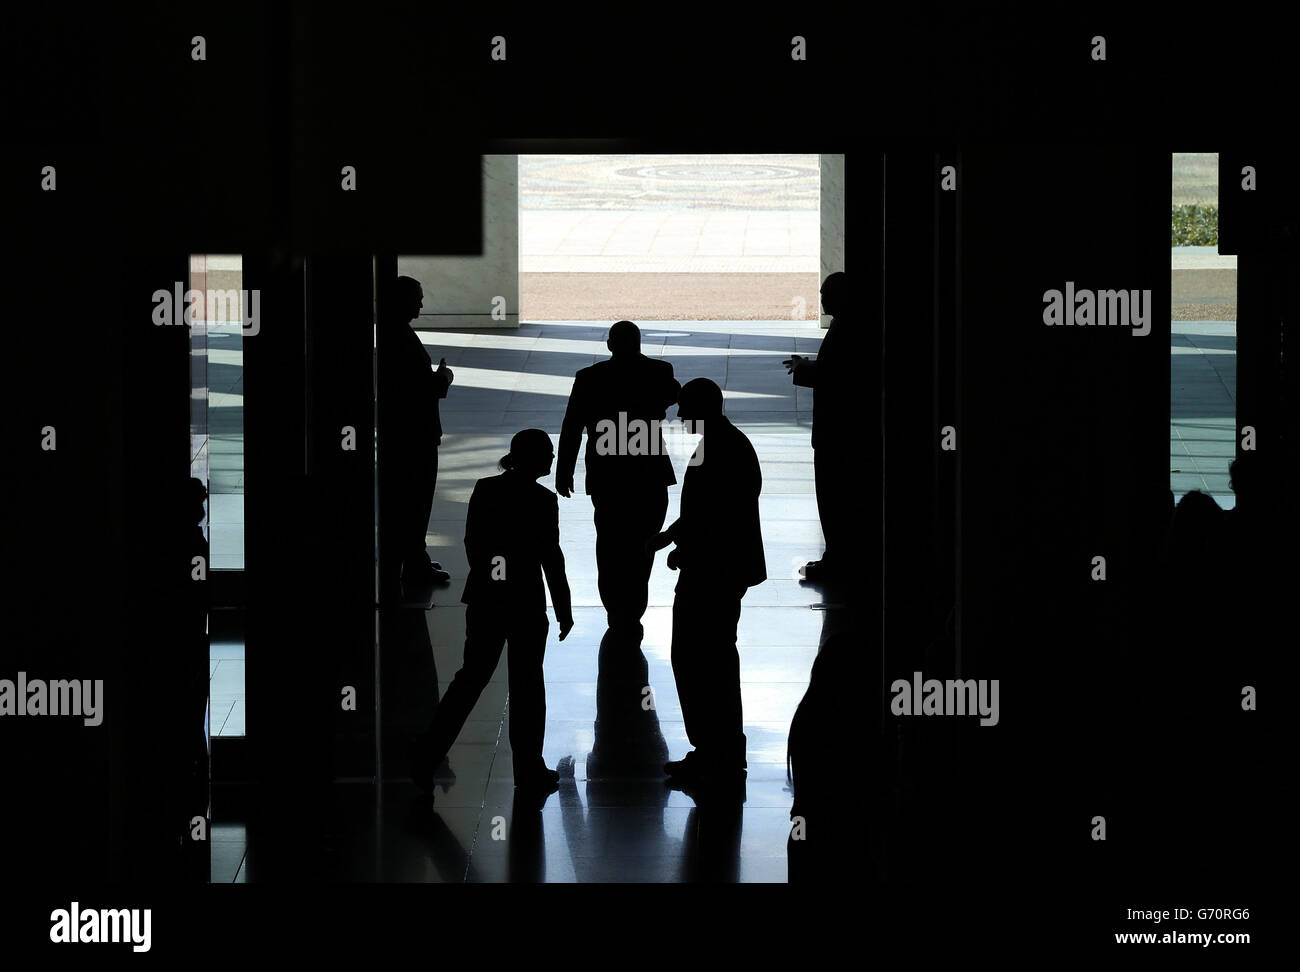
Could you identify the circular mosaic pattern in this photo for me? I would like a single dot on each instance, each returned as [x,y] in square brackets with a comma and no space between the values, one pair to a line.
[716,172]
[670,183]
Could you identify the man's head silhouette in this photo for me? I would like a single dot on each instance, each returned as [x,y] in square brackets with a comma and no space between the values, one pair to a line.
[198,494]
[624,339]
[835,294]
[1251,478]
[700,400]
[406,299]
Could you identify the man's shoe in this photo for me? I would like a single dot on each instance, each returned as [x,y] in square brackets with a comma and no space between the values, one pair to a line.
[539,780]
[725,789]
[816,571]
[425,575]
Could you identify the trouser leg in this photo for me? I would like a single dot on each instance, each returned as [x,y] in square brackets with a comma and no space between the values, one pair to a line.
[527,694]
[721,672]
[624,522]
[649,525]
[609,543]
[706,668]
[684,655]
[415,557]
[829,501]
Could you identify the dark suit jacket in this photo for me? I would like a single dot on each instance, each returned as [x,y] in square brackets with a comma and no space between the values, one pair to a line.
[518,519]
[718,535]
[839,375]
[642,389]
[409,390]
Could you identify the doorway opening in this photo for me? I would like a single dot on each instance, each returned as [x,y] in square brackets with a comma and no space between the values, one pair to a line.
[669,237]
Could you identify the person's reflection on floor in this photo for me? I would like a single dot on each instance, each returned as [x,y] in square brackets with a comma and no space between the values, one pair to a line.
[526,838]
[628,741]
[625,795]
[623,816]
[711,842]
[409,676]
[447,855]
[842,705]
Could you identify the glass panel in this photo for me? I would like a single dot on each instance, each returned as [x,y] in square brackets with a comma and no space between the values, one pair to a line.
[218,379]
[1203,369]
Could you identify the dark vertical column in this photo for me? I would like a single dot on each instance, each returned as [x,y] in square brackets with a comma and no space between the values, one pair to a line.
[920,481]
[912,635]
[1064,447]
[340,479]
[946,308]
[1260,222]
[1261,301]
[309,543]
[290,695]
[65,525]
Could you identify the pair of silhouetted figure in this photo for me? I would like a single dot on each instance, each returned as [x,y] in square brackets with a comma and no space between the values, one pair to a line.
[512,539]
[839,384]
[718,537]
[410,431]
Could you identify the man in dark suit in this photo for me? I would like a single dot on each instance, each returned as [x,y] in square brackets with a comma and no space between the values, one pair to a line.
[720,554]
[410,431]
[620,403]
[836,375]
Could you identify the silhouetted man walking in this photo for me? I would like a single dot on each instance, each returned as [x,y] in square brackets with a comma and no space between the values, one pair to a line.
[410,431]
[620,403]
[838,382]
[720,554]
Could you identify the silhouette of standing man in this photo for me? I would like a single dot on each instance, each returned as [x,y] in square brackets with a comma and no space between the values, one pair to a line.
[720,554]
[512,538]
[628,468]
[410,433]
[837,379]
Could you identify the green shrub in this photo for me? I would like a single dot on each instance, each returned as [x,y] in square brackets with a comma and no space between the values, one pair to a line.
[1194,225]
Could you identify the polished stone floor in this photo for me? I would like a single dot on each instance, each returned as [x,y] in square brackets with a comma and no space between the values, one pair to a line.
[613,818]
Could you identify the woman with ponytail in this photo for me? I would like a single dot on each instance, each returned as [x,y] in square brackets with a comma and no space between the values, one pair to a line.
[512,539]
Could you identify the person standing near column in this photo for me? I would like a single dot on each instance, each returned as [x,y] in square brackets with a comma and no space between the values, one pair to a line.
[410,432]
[838,382]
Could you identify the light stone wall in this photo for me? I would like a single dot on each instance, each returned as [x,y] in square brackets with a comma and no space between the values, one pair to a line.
[832,229]
[459,291]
